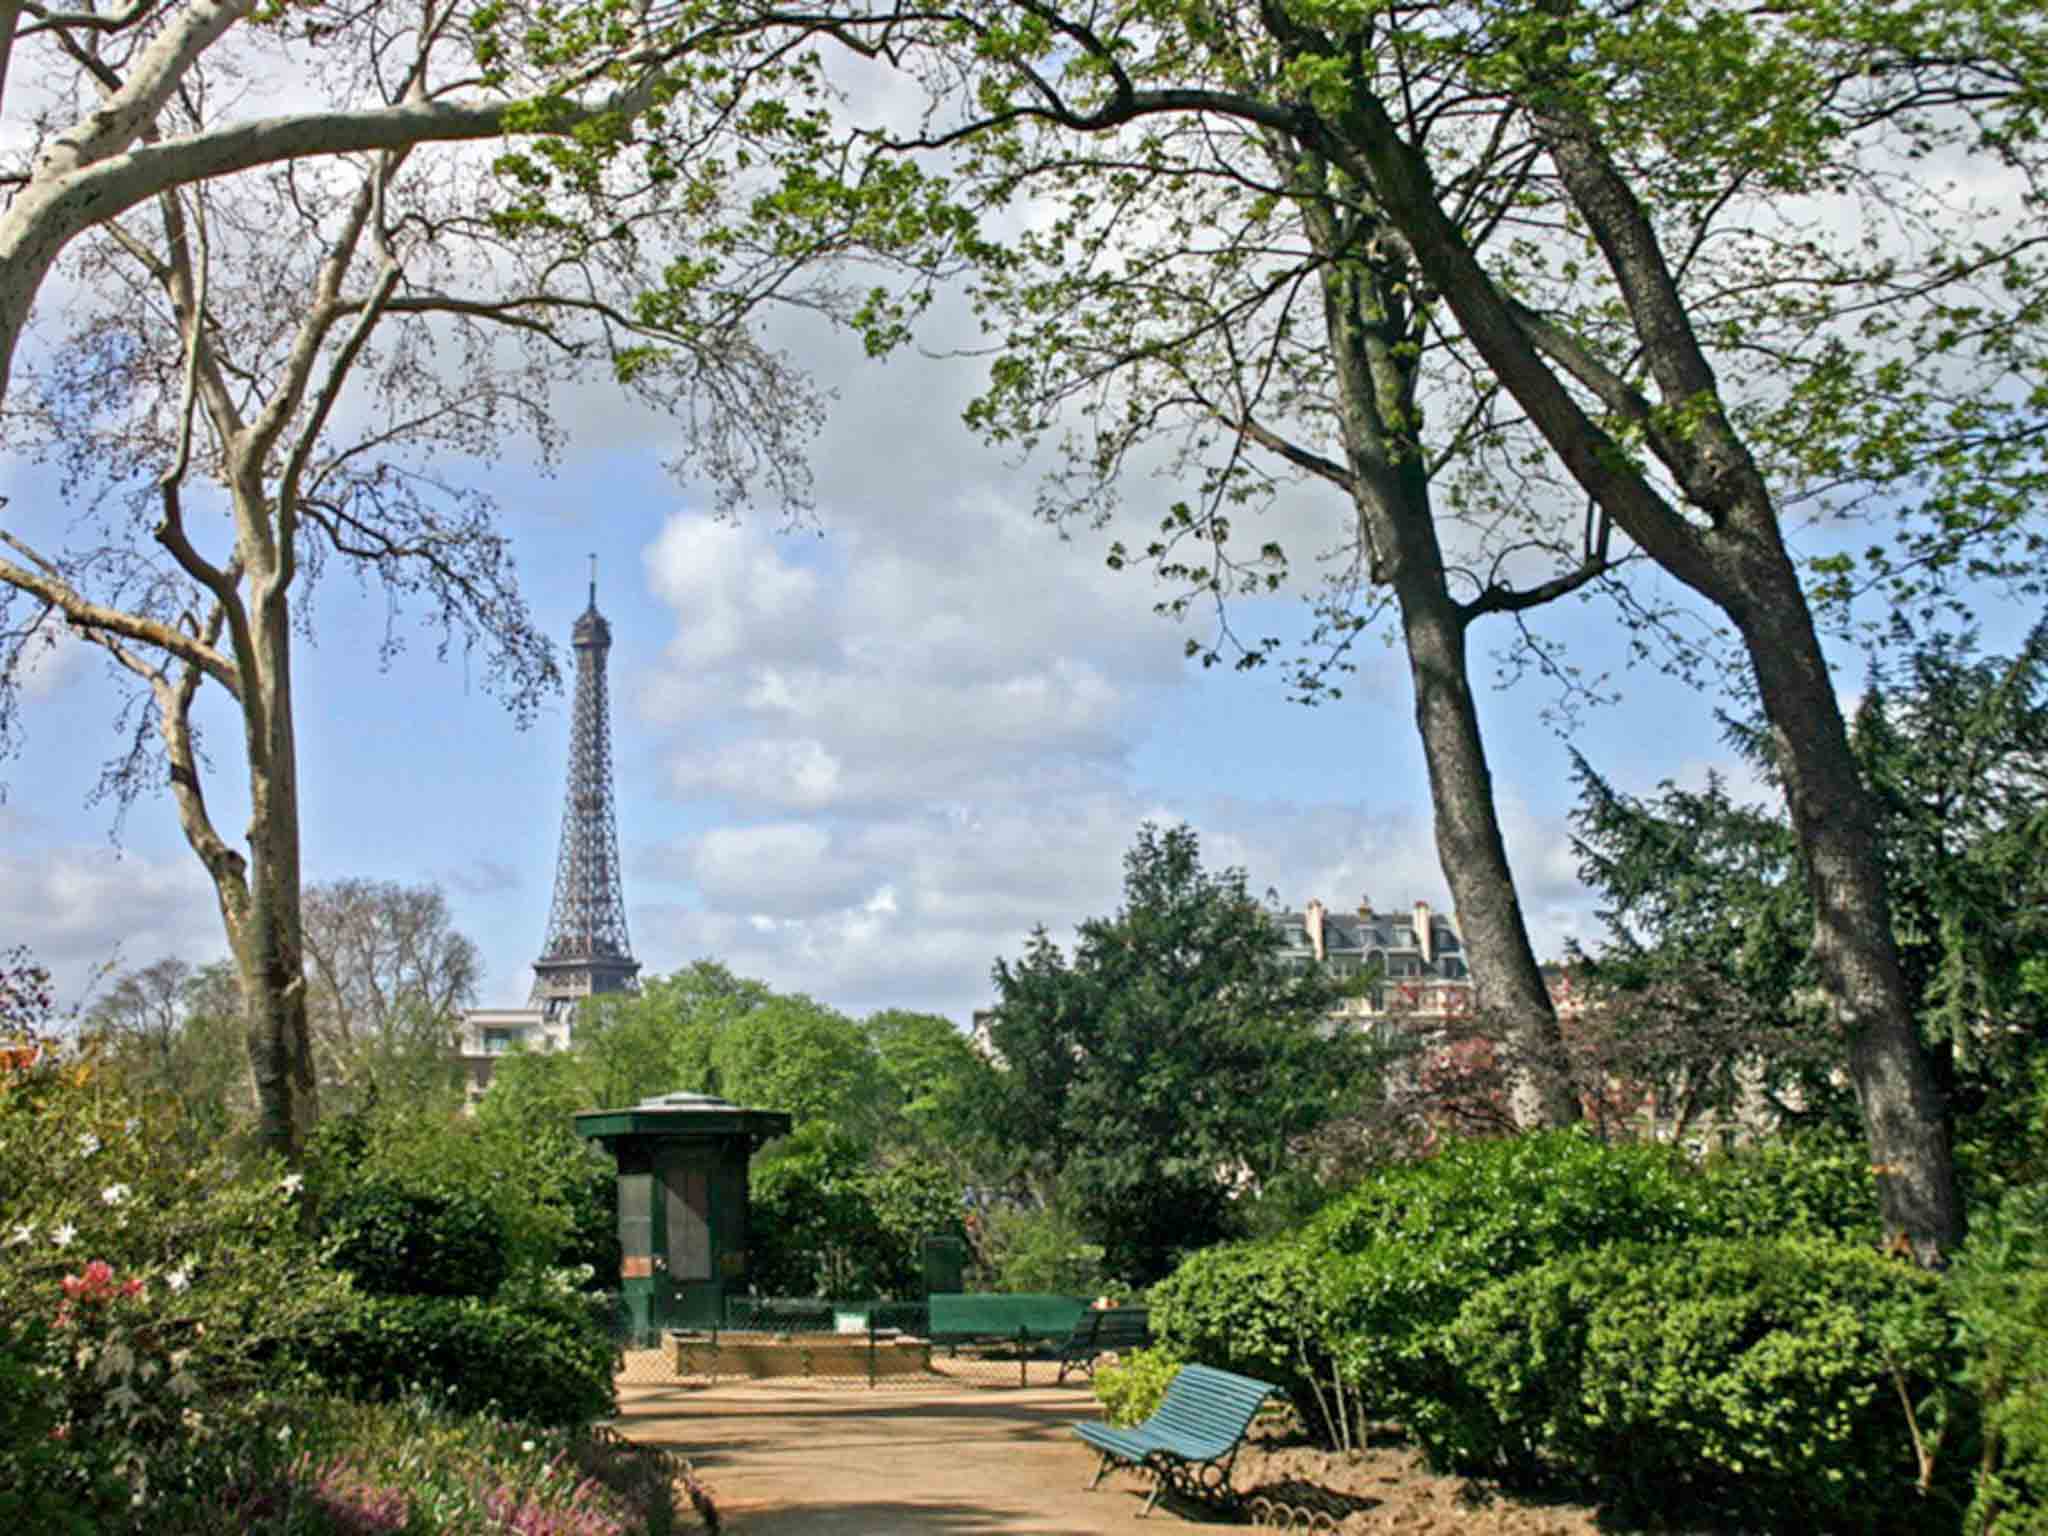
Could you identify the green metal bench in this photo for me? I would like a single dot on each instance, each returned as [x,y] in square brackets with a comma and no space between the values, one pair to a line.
[1190,1442]
[1104,1331]
[962,1318]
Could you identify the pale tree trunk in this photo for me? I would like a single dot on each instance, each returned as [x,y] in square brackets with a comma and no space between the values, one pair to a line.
[270,955]
[1376,377]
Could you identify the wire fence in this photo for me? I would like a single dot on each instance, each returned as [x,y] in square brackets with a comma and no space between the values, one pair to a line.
[865,1346]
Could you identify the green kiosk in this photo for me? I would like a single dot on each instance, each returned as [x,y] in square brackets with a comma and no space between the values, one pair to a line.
[682,1203]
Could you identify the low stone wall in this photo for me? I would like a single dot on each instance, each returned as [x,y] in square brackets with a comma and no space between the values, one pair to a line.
[763,1355]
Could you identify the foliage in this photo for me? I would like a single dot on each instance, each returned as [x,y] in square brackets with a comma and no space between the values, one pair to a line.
[540,1357]
[404,1242]
[2001,1292]
[826,1222]
[1174,1052]
[48,1482]
[1350,1313]
[1039,1251]
[1707,908]
[323,1466]
[541,1184]
[1753,1378]
[1132,1387]
[940,1089]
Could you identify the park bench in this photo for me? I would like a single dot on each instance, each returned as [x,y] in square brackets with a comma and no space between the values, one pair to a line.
[1191,1440]
[985,1317]
[1104,1331]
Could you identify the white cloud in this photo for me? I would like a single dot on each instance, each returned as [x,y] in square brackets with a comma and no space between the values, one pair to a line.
[78,909]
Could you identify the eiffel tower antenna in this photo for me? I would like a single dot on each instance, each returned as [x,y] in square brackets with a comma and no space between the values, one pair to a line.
[586,951]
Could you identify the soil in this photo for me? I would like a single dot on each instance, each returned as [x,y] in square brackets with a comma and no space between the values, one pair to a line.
[1290,1484]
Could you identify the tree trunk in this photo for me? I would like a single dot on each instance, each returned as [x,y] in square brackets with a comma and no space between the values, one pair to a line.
[1853,944]
[1513,998]
[1376,377]
[270,955]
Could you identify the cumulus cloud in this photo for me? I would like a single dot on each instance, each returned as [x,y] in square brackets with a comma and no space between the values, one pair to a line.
[80,909]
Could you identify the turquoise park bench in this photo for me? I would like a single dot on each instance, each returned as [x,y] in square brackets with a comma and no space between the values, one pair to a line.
[1104,1331]
[1191,1440]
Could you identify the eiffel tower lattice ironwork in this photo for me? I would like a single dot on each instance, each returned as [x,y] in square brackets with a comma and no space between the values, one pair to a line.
[586,951]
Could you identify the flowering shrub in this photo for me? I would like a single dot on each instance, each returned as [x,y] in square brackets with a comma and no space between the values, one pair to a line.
[162,1286]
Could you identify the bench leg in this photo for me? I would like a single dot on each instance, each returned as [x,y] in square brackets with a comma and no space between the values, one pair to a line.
[1101,1471]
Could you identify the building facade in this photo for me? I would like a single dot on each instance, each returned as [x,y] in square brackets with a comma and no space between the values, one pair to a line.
[1408,964]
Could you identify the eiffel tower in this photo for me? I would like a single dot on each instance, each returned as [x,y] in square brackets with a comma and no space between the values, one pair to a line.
[586,952]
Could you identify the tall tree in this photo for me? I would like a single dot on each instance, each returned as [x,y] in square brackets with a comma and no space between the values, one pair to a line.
[386,969]
[1669,154]
[284,333]
[1168,1063]
[1224,298]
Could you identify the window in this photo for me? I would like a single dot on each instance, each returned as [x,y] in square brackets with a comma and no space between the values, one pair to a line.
[498,1041]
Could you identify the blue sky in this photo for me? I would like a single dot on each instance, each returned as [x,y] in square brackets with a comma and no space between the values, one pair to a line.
[860,759]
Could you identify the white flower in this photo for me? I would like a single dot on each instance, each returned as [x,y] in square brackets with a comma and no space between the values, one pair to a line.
[114,1194]
[131,1125]
[62,1235]
[290,1183]
[88,1144]
[284,1434]
[177,1280]
[21,1234]
[526,1445]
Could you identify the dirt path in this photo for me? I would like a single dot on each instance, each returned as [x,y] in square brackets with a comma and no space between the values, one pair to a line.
[792,1459]
[784,1460]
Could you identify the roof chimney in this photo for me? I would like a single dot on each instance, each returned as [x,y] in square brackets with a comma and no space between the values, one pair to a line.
[1312,920]
[1365,908]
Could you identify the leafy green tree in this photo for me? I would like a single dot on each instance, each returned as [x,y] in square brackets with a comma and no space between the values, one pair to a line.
[1707,942]
[828,1222]
[940,1088]
[1170,1060]
[1721,291]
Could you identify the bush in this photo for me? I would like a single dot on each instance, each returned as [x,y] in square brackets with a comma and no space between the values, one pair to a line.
[1041,1253]
[543,1359]
[2001,1286]
[1817,1184]
[1349,1315]
[1131,1389]
[1753,1378]
[1247,1307]
[406,1242]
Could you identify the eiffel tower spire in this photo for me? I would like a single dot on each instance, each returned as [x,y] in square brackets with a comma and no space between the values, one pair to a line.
[586,950]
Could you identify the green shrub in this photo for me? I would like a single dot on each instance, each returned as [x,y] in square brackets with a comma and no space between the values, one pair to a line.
[1130,1390]
[47,1483]
[1247,1307]
[2001,1287]
[542,1360]
[1751,1378]
[407,1242]
[1817,1184]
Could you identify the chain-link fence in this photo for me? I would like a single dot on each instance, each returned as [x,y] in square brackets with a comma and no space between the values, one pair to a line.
[875,1345]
